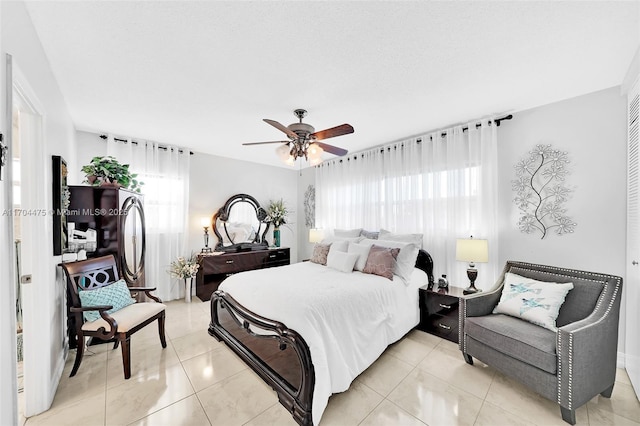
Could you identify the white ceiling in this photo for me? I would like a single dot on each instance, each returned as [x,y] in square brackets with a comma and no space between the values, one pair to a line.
[204,74]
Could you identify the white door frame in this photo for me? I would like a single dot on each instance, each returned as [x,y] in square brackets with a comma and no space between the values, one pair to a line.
[40,381]
[7,273]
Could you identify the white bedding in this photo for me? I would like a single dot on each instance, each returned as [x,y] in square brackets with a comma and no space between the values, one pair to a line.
[347,319]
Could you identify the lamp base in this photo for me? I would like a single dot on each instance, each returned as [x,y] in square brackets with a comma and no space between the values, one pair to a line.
[472,274]
[206,250]
[471,289]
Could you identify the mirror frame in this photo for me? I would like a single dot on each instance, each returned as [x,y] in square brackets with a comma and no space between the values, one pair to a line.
[258,243]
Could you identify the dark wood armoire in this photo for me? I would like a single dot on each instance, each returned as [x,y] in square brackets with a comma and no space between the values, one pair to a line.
[117,216]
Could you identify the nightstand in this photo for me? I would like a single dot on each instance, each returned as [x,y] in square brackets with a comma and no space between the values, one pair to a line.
[439,311]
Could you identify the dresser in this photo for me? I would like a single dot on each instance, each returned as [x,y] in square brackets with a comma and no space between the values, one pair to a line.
[215,268]
[439,311]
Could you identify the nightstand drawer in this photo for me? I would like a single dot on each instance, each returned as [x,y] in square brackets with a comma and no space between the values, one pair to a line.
[441,304]
[445,327]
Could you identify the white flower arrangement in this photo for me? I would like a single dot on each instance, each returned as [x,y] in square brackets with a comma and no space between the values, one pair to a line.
[277,213]
[184,267]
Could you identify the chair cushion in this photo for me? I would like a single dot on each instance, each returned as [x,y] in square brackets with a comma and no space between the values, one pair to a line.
[516,338]
[128,317]
[116,294]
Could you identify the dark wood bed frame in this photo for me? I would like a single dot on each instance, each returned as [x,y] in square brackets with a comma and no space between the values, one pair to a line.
[275,352]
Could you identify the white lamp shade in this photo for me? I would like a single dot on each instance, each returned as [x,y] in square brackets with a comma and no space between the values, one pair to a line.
[472,250]
[315,235]
[283,152]
[290,161]
[205,221]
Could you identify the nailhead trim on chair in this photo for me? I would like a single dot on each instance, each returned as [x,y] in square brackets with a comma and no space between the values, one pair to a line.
[462,314]
[570,404]
[558,352]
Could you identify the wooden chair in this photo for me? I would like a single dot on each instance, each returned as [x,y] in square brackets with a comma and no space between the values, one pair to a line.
[95,273]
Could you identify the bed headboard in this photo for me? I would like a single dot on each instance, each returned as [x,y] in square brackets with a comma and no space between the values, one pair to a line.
[425,262]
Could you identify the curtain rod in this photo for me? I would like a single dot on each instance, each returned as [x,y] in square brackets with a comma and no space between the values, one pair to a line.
[464,129]
[419,140]
[136,143]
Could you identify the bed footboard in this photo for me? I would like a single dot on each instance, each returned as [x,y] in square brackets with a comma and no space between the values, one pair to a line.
[276,353]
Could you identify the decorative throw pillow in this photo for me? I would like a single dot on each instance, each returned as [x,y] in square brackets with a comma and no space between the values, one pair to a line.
[381,261]
[116,295]
[339,245]
[341,261]
[404,238]
[369,234]
[362,250]
[535,301]
[320,252]
[406,261]
[348,240]
[347,233]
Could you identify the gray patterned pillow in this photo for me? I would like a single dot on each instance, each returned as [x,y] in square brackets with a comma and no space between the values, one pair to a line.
[373,235]
[381,261]
[320,252]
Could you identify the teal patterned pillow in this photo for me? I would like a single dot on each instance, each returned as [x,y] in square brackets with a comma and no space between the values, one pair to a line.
[116,294]
[535,301]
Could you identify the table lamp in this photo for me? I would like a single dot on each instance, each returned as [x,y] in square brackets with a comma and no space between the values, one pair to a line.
[315,235]
[472,250]
[205,224]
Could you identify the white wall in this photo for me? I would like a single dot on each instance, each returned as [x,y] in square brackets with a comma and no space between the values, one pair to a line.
[214,179]
[592,129]
[19,38]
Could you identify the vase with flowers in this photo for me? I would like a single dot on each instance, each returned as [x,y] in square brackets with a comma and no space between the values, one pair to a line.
[277,212]
[185,268]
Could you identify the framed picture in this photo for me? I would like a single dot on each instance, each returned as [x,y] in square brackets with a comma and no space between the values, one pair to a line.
[60,204]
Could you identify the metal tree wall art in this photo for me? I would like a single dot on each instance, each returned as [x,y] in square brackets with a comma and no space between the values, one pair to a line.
[541,192]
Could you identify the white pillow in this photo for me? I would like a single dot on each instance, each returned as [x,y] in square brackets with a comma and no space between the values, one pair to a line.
[535,301]
[362,250]
[341,261]
[347,233]
[406,260]
[406,238]
[339,245]
[330,240]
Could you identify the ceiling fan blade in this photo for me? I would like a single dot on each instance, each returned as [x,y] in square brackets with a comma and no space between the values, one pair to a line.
[282,128]
[332,149]
[343,129]
[262,143]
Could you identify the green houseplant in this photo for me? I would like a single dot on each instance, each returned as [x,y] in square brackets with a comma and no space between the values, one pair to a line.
[108,171]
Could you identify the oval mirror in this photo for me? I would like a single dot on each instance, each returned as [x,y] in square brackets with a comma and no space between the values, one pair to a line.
[239,224]
[132,241]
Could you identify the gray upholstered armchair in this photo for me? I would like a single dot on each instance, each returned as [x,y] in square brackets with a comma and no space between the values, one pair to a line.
[569,366]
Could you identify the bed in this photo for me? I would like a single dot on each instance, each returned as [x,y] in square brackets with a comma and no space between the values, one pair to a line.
[309,330]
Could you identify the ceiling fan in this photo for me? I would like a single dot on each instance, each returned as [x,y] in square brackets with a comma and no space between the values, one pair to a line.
[303,140]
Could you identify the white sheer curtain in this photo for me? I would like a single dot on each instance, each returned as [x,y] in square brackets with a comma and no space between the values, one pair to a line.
[442,187]
[165,173]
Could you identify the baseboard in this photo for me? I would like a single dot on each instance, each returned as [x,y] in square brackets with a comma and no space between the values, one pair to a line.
[620,361]
[57,374]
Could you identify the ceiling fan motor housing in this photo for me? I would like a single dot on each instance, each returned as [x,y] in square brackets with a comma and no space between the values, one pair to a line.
[303,130]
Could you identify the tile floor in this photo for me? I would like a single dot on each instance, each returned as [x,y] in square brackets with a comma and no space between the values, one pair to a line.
[197,381]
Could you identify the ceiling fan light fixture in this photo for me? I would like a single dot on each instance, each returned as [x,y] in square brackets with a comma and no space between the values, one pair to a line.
[290,161]
[283,152]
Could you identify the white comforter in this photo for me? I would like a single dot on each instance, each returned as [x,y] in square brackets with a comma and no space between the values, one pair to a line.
[347,319]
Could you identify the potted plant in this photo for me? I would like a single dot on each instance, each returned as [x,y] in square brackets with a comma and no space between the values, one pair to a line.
[108,171]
